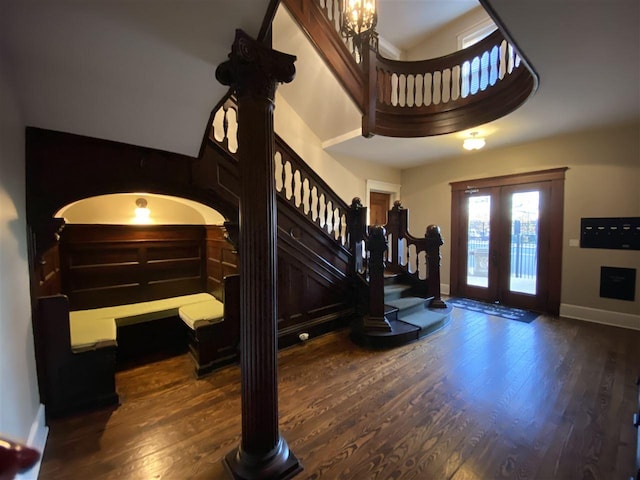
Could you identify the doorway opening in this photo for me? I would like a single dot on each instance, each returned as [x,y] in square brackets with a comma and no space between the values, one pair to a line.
[507,239]
[380,198]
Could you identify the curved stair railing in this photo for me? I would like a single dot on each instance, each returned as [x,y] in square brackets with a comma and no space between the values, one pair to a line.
[295,181]
[470,87]
[355,250]
[315,283]
[443,95]
[416,259]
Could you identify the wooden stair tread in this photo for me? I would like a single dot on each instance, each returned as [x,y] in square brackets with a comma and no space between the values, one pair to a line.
[406,303]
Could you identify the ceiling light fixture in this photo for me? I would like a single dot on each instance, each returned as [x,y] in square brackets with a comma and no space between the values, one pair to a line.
[142,212]
[473,143]
[359,19]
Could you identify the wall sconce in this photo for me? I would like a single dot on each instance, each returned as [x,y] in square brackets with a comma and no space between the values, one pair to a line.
[142,213]
[473,143]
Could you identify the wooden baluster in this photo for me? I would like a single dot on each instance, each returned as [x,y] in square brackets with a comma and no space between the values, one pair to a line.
[434,242]
[446,85]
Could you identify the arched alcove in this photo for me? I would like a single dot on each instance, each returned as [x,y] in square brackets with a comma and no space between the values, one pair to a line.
[121,209]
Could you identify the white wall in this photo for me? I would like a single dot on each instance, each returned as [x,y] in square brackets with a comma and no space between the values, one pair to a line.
[603,180]
[19,398]
[347,177]
[444,40]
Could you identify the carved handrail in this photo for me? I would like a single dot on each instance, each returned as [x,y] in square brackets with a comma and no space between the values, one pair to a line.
[309,193]
[296,182]
[442,95]
[320,20]
[418,259]
[415,99]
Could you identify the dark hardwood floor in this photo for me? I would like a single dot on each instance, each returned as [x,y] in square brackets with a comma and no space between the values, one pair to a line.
[484,398]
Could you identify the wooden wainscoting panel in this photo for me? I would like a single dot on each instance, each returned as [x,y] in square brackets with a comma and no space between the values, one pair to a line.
[222,260]
[104,265]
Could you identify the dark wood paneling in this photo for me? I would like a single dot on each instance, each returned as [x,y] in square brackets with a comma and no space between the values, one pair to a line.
[314,287]
[47,273]
[63,168]
[104,265]
[222,260]
[58,173]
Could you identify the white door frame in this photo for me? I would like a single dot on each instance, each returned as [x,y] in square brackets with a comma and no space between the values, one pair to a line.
[392,189]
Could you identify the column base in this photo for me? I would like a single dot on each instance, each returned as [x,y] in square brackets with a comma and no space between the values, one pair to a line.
[278,464]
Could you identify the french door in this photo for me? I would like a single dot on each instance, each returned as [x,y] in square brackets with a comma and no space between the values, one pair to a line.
[503,240]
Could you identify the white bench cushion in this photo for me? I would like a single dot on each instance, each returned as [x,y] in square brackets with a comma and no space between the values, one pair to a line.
[88,327]
[196,315]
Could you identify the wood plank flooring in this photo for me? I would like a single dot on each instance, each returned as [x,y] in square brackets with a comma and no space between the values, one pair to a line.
[484,398]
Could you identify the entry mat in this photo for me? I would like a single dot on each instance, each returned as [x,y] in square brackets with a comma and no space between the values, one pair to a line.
[494,309]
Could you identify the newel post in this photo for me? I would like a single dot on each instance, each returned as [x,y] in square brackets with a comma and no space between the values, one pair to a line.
[396,229]
[254,70]
[357,225]
[434,242]
[377,246]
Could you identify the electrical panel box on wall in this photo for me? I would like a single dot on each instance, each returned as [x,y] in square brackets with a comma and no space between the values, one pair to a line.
[622,233]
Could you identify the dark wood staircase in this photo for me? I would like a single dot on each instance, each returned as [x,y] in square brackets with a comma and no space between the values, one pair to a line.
[409,316]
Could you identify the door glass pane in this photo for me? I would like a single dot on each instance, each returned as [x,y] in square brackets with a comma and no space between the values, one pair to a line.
[478,241]
[524,242]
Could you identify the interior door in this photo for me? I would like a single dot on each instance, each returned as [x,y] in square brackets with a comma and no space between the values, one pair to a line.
[378,208]
[502,245]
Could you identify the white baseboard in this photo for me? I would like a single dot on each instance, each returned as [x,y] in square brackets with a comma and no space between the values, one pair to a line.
[444,289]
[595,315]
[38,440]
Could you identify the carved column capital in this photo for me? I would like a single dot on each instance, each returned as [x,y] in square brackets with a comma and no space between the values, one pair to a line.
[255,69]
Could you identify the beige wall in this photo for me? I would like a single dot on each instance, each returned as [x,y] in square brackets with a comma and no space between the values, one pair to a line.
[19,398]
[603,180]
[347,177]
[445,40]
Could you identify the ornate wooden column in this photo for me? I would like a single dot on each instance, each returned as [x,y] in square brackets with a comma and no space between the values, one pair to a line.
[254,70]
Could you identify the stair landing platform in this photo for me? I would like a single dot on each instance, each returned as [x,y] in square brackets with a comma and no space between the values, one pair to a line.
[410,328]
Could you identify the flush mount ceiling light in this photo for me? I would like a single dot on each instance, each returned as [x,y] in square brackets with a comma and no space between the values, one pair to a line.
[473,143]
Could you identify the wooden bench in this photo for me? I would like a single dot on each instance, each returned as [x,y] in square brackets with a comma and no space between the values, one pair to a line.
[97,324]
[78,348]
[214,330]
[71,378]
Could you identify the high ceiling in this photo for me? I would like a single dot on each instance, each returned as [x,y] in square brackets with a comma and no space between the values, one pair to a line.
[142,72]
[587,55]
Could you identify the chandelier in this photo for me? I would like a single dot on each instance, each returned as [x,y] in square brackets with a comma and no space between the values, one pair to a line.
[359,18]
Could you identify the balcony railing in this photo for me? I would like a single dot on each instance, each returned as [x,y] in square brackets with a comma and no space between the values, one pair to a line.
[421,98]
